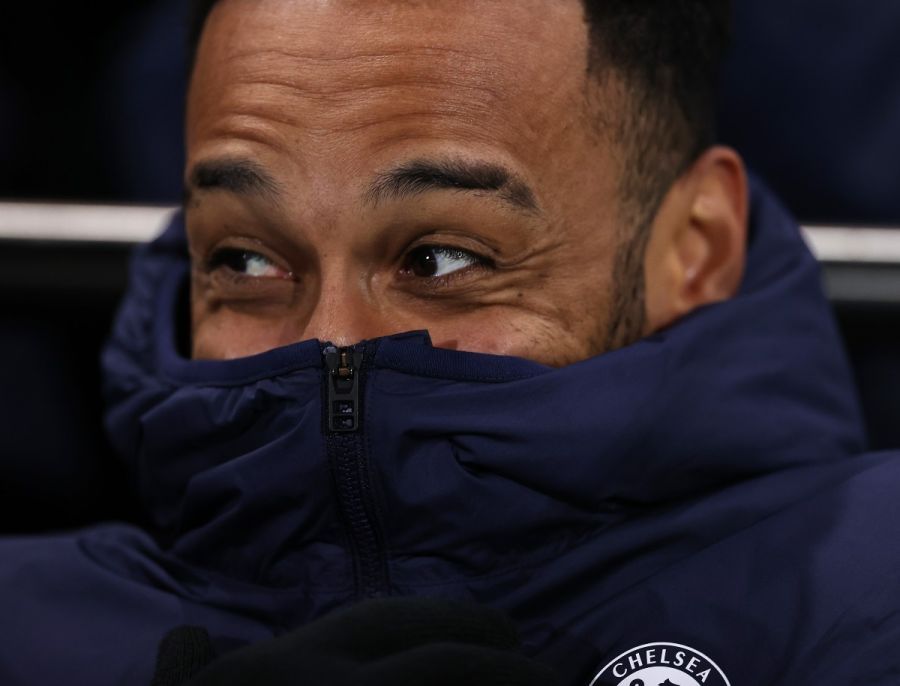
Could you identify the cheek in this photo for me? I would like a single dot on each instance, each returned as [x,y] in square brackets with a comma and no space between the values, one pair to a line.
[515,333]
[215,339]
[222,331]
[230,335]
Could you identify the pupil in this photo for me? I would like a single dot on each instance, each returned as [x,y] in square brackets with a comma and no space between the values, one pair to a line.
[235,260]
[238,261]
[424,262]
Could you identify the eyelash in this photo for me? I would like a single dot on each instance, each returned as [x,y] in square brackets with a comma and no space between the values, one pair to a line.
[478,262]
[221,262]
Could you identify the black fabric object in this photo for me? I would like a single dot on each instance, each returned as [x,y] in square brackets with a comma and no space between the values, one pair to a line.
[183,652]
[388,641]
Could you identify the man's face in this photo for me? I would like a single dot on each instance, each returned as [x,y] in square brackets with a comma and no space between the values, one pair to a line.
[360,168]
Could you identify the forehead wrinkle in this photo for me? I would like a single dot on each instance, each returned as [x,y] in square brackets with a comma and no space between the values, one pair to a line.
[316,104]
[402,123]
[346,81]
[412,89]
[480,82]
[237,126]
[419,37]
[393,62]
[406,51]
[436,107]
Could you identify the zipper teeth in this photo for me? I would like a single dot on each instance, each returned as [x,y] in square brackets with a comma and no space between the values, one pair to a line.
[348,456]
[371,580]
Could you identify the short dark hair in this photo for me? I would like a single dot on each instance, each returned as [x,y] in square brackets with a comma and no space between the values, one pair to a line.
[666,54]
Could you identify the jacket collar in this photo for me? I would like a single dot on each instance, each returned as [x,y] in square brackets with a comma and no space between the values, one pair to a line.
[737,390]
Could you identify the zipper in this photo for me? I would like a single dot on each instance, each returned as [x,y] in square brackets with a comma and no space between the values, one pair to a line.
[348,457]
[344,370]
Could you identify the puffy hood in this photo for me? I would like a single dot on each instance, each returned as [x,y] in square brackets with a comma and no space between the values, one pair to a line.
[464,465]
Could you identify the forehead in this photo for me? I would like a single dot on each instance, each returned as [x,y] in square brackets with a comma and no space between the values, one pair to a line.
[323,76]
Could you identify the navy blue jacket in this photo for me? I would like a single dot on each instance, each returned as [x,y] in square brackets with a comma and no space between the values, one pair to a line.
[700,493]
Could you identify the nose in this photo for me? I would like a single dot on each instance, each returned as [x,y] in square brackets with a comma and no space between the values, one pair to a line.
[346,312]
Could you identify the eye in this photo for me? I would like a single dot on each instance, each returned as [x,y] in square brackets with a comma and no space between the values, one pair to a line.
[246,263]
[431,261]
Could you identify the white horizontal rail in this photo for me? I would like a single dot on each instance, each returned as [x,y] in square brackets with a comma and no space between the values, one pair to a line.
[136,224]
[81,223]
[852,244]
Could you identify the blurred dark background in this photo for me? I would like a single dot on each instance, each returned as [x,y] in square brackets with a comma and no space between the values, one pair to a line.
[91,100]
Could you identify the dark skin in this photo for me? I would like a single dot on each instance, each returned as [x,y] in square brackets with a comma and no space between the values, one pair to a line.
[360,168]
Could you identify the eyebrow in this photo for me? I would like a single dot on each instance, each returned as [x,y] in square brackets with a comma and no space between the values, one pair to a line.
[422,176]
[235,175]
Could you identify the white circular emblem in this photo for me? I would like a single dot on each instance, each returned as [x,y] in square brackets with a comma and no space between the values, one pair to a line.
[661,664]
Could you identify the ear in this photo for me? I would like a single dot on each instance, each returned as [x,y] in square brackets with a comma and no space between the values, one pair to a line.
[698,242]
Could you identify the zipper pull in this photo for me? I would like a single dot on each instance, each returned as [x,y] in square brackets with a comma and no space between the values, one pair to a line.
[343,388]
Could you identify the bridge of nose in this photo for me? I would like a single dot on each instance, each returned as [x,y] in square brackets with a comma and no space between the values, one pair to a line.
[348,309]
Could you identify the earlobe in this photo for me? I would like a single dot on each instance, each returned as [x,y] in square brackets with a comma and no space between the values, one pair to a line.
[697,250]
